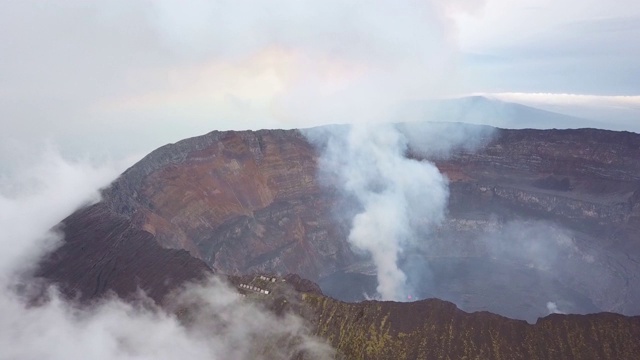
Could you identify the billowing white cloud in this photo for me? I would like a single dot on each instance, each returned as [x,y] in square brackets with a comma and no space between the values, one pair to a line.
[36,197]
[224,326]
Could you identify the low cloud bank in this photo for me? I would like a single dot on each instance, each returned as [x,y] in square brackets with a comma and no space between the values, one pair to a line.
[223,326]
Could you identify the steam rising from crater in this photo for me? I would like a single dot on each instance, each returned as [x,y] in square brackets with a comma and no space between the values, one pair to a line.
[394,191]
[397,195]
[553,308]
[400,202]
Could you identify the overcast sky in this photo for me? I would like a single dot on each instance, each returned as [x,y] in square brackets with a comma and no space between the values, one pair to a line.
[122,77]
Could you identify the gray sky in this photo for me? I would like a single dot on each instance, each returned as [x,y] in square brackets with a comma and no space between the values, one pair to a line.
[563,46]
[123,77]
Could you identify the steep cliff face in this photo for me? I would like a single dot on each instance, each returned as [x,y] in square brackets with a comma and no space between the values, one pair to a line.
[240,201]
[246,202]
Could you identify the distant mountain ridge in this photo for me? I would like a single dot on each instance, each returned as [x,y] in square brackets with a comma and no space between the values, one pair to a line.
[483,110]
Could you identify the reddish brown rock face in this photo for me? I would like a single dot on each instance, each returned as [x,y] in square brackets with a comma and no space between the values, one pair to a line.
[105,253]
[243,202]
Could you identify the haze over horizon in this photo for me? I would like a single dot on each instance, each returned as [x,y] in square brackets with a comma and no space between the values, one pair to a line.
[120,78]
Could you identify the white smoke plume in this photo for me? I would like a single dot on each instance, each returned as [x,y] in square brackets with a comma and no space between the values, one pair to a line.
[395,193]
[553,308]
[37,197]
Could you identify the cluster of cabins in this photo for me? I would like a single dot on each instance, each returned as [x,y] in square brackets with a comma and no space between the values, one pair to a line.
[256,288]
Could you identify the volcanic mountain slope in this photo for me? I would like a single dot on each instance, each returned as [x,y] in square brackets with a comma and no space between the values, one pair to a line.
[247,202]
[104,253]
[244,202]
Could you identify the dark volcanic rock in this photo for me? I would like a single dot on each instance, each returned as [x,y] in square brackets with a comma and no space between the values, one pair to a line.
[104,252]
